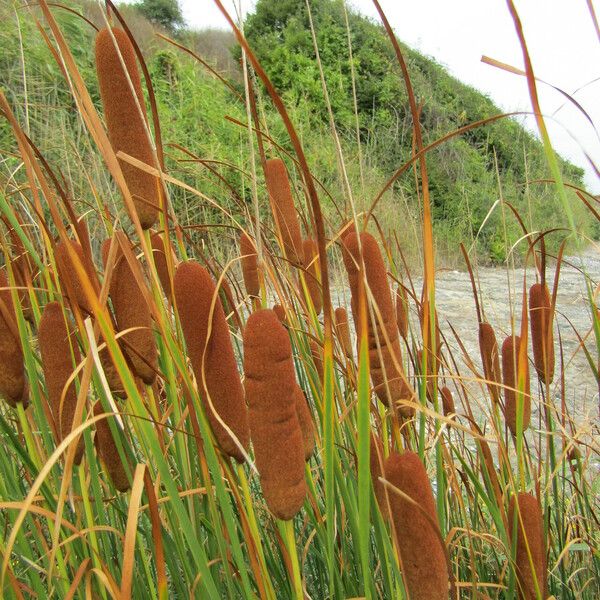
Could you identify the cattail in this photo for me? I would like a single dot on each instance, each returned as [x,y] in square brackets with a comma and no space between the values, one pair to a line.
[342,328]
[531,552]
[422,555]
[377,461]
[316,352]
[112,375]
[305,421]
[280,312]
[131,312]
[67,254]
[13,386]
[159,254]
[542,338]
[434,357]
[284,211]
[22,272]
[60,355]
[313,274]
[447,401]
[486,466]
[388,381]
[402,311]
[211,354]
[276,435]
[107,450]
[126,125]
[510,373]
[490,359]
[249,266]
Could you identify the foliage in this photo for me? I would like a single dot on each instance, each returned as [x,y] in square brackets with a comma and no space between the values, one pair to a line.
[166,13]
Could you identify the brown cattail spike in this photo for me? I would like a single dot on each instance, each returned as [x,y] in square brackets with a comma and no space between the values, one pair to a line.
[490,359]
[342,327]
[126,120]
[530,560]
[280,312]
[131,312]
[60,355]
[510,374]
[107,450]
[542,338]
[402,311]
[447,401]
[313,274]
[276,435]
[249,266]
[69,257]
[305,421]
[388,380]
[316,353]
[211,354]
[13,387]
[423,558]
[284,211]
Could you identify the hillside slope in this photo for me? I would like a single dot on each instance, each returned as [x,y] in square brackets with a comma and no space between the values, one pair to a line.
[193,106]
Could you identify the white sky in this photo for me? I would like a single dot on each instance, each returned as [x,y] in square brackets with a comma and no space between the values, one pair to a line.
[561,38]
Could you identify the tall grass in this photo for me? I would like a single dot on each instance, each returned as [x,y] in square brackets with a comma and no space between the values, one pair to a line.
[139,498]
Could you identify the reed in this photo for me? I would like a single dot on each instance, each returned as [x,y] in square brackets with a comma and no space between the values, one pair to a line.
[511,365]
[423,559]
[305,420]
[211,354]
[107,450]
[131,312]
[284,210]
[526,529]
[126,121]
[313,274]
[490,359]
[160,247]
[60,354]
[316,353]
[542,338]
[13,384]
[274,425]
[376,466]
[249,266]
[389,381]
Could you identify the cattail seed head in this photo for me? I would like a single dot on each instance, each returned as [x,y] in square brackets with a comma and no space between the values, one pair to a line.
[313,274]
[388,380]
[342,327]
[510,374]
[13,387]
[275,430]
[107,450]
[60,355]
[423,558]
[249,266]
[284,210]
[131,312]
[211,354]
[280,312]
[71,283]
[126,123]
[316,352]
[490,359]
[305,421]
[542,338]
[402,311]
[529,531]
[447,401]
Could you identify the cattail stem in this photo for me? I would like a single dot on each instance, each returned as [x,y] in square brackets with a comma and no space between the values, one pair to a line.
[288,527]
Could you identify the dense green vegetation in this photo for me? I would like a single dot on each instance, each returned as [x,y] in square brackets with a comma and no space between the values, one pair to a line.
[467,173]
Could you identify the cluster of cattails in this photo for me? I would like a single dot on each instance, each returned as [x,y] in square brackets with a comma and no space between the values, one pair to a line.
[385,357]
[126,121]
[280,425]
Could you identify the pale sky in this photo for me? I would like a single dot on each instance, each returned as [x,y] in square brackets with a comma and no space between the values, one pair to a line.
[562,41]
